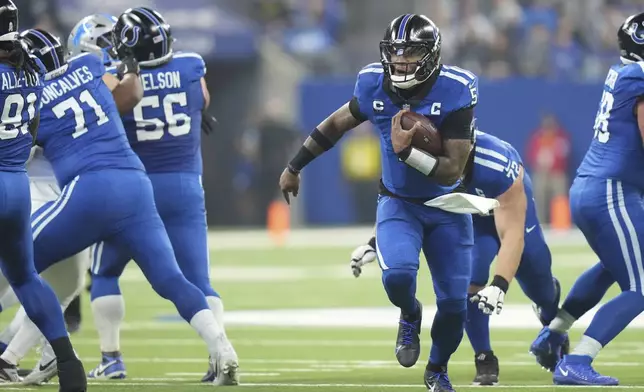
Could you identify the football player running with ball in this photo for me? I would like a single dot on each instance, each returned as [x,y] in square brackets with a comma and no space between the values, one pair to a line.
[410,76]
[606,205]
[513,234]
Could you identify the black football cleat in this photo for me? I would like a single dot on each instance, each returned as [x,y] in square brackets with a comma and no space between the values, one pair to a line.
[71,376]
[487,369]
[438,381]
[8,372]
[408,340]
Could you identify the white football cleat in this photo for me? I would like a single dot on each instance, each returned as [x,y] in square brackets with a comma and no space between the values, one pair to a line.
[226,364]
[45,369]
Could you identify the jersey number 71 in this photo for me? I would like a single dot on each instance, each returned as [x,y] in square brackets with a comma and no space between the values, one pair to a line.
[79,114]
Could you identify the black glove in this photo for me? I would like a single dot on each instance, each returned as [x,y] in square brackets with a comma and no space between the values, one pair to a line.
[208,123]
[128,65]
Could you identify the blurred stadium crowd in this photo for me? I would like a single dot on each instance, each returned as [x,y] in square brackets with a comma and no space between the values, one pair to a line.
[558,39]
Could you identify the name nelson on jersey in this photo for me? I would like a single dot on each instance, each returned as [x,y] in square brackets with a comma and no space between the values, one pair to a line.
[67,83]
[161,80]
[11,80]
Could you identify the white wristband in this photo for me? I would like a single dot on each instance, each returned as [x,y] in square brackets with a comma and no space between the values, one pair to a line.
[421,161]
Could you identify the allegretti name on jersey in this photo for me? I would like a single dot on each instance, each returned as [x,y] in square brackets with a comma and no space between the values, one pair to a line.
[57,88]
[11,80]
[161,80]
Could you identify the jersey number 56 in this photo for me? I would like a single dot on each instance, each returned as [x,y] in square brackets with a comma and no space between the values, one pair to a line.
[178,123]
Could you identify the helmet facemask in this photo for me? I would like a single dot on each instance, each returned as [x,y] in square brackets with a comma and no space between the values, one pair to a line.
[409,63]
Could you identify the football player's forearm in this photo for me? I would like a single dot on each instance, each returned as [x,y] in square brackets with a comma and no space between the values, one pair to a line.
[509,256]
[324,137]
[33,128]
[128,93]
[450,167]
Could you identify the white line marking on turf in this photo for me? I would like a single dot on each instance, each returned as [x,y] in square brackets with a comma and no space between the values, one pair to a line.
[355,364]
[168,382]
[242,374]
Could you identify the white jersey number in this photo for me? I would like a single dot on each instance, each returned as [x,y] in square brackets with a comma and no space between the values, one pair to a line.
[72,104]
[11,115]
[603,114]
[178,123]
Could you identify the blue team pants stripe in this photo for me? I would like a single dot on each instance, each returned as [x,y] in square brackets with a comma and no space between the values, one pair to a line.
[616,206]
[38,224]
[97,257]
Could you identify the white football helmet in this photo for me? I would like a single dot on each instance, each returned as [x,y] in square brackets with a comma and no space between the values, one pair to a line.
[93,34]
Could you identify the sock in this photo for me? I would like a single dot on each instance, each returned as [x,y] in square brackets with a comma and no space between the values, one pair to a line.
[207,327]
[26,338]
[587,347]
[109,312]
[614,316]
[477,326]
[42,307]
[216,306]
[447,333]
[400,286]
[8,333]
[8,300]
[587,291]
[562,322]
[63,349]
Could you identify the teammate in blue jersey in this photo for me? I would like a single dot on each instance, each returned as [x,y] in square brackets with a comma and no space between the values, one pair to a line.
[106,195]
[411,77]
[606,205]
[512,233]
[164,130]
[21,76]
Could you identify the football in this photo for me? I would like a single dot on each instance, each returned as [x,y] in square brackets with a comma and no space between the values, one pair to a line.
[427,138]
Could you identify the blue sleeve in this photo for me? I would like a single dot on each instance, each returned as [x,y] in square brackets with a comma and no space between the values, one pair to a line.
[366,83]
[192,64]
[495,171]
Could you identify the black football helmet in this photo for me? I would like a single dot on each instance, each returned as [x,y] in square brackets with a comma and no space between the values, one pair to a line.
[46,46]
[8,24]
[143,33]
[630,37]
[411,50]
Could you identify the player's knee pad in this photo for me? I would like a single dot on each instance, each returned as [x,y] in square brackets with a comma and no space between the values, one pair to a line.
[397,278]
[452,305]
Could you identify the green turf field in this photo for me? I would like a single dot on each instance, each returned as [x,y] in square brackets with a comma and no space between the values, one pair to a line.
[299,291]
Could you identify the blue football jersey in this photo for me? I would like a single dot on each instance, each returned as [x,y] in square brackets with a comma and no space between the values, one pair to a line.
[164,129]
[616,149]
[454,89]
[495,167]
[80,128]
[19,104]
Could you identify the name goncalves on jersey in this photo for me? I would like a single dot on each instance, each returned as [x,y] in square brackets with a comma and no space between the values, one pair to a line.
[161,80]
[11,80]
[67,83]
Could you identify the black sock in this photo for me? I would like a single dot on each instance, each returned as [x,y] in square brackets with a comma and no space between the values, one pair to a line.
[436,368]
[63,349]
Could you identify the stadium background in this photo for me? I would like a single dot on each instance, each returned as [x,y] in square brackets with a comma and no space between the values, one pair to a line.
[276,68]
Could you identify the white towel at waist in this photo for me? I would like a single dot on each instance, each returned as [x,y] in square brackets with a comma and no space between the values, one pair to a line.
[464,203]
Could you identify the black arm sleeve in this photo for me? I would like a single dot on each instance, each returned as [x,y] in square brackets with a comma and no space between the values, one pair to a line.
[458,124]
[354,107]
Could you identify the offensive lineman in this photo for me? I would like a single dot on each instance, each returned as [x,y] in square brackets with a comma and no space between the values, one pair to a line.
[411,76]
[164,130]
[606,205]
